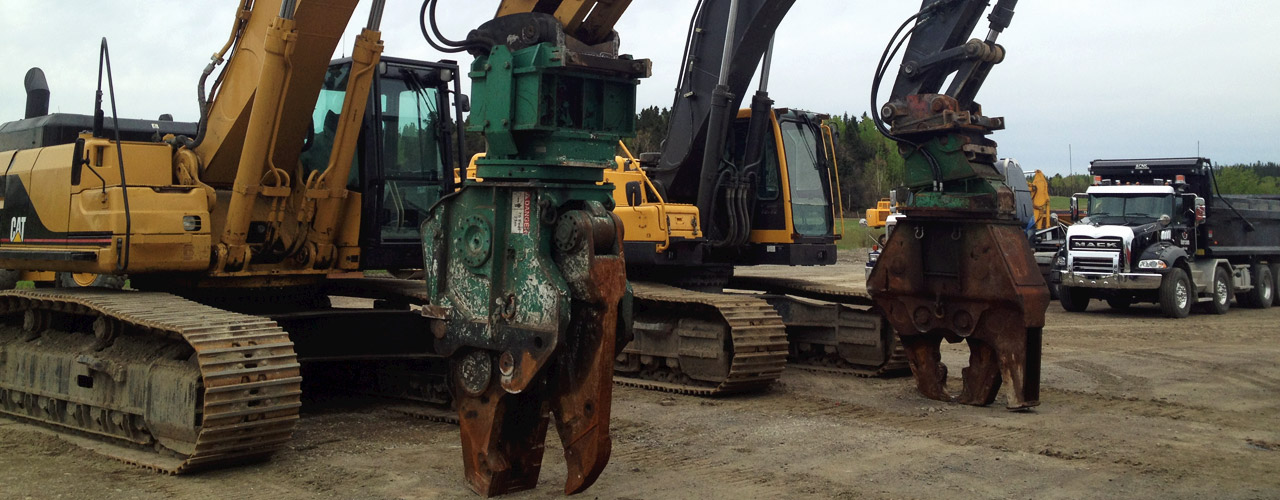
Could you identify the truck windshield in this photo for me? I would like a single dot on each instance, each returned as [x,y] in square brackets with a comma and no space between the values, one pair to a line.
[1129,209]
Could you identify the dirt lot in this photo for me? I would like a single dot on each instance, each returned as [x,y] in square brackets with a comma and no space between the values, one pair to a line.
[1133,405]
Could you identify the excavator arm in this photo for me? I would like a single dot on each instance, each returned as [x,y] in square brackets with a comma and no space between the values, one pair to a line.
[254,123]
[726,41]
[959,266]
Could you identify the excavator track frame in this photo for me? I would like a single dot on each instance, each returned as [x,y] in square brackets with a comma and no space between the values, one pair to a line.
[849,311]
[247,386]
[756,342]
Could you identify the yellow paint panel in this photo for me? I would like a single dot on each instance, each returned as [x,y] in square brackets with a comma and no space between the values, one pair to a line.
[508,7]
[771,236]
[878,217]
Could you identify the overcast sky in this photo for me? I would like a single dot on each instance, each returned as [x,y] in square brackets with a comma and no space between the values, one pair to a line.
[1129,78]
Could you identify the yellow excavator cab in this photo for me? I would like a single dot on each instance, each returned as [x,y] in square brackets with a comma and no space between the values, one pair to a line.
[878,217]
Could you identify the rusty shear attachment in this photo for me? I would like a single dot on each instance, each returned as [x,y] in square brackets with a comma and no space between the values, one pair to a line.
[505,401]
[983,288]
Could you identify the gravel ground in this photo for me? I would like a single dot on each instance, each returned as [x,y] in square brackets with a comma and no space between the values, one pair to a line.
[1133,405]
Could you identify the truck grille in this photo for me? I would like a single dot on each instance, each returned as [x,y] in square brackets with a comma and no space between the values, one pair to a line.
[1100,244]
[1093,265]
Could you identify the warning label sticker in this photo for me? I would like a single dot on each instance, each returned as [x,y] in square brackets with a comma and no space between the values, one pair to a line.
[521,212]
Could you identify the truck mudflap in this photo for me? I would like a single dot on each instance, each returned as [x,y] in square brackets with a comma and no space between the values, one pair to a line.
[1114,281]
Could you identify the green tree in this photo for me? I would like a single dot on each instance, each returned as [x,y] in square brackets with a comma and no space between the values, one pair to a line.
[1246,179]
[651,129]
[869,162]
[1069,185]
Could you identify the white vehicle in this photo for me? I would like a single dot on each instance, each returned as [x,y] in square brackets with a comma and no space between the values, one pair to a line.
[1150,236]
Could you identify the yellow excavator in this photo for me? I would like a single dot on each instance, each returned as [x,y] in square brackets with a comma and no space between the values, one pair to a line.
[234,230]
[733,189]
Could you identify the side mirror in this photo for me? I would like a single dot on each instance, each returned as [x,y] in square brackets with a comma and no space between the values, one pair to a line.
[1075,207]
[1194,207]
[863,222]
[464,102]
[78,162]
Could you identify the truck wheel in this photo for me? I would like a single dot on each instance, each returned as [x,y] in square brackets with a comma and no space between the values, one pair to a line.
[1176,294]
[1263,292]
[9,278]
[1275,288]
[1073,299]
[1221,291]
[82,280]
[1120,303]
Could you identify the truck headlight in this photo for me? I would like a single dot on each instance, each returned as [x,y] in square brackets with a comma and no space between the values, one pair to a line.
[1152,264]
[1062,262]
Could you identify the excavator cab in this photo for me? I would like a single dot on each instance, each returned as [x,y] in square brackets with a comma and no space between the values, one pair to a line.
[794,220]
[407,141]
[795,211]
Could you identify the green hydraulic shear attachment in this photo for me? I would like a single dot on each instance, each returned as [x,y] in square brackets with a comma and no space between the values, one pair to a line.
[524,261]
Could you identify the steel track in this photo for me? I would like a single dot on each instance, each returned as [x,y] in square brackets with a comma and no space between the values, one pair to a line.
[248,384]
[896,364]
[757,340]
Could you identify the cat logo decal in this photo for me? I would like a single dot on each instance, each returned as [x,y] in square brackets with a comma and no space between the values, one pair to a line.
[17,227]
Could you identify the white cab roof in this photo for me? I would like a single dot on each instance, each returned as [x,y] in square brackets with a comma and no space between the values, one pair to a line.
[1131,189]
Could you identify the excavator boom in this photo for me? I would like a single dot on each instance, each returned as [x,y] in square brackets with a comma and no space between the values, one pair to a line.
[317,28]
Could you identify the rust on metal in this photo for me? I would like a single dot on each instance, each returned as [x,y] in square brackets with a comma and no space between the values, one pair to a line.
[584,377]
[970,281]
[504,426]
[222,387]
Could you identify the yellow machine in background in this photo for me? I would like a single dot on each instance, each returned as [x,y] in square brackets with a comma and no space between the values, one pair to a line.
[1040,199]
[878,217]
[647,217]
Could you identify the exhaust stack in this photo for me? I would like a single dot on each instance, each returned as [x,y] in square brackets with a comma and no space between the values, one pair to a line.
[37,93]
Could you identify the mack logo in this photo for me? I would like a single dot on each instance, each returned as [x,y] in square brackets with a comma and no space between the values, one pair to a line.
[1092,244]
[17,228]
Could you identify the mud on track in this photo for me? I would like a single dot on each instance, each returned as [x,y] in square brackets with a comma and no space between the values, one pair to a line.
[1133,405]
